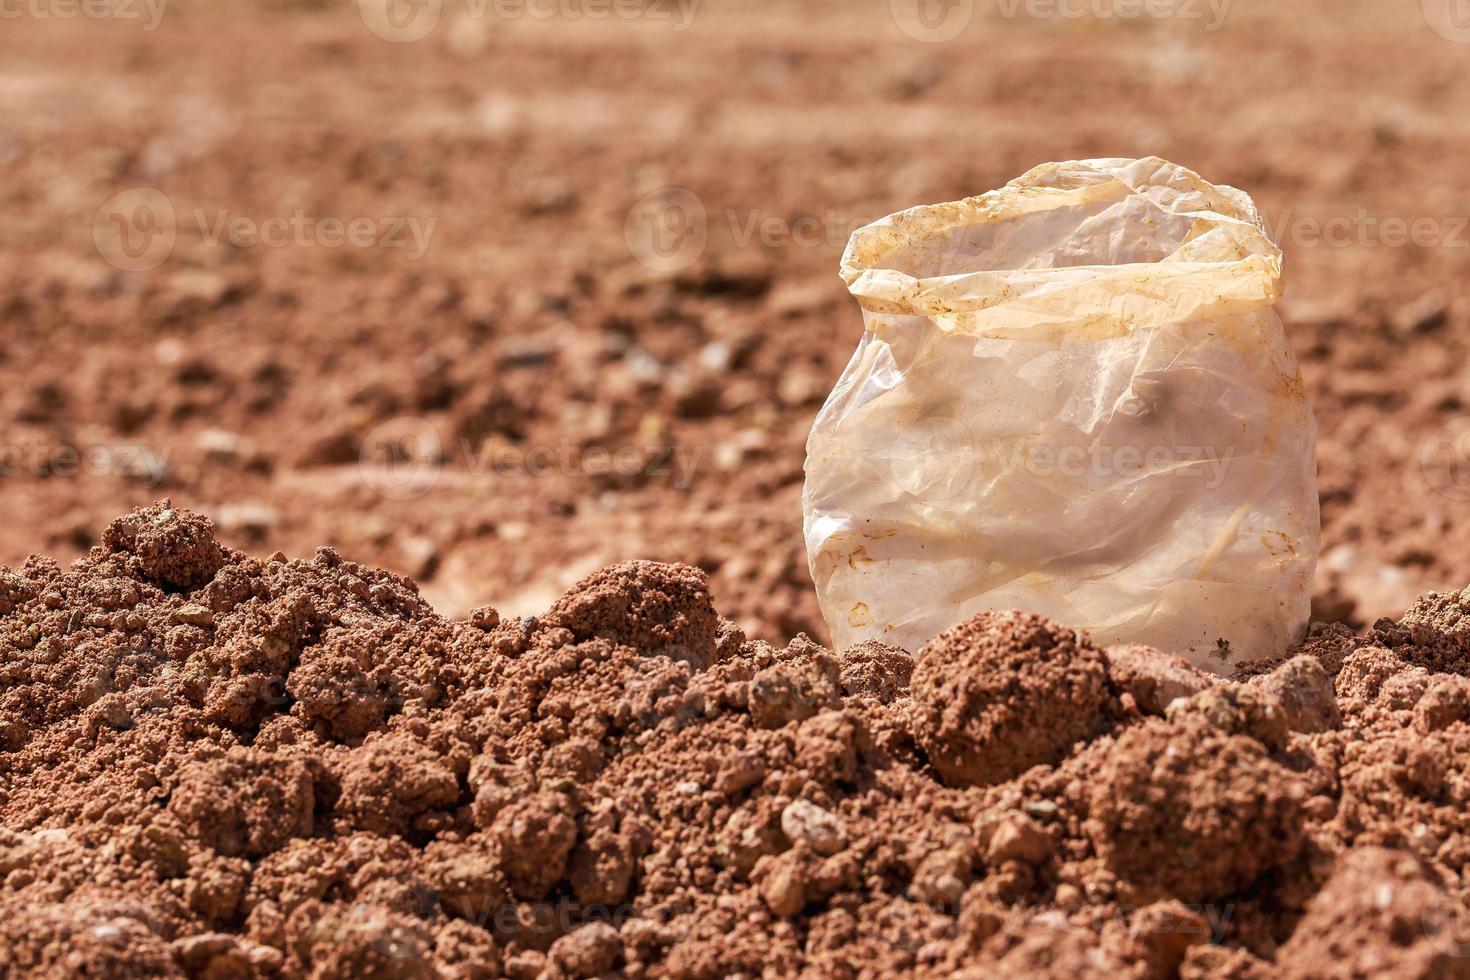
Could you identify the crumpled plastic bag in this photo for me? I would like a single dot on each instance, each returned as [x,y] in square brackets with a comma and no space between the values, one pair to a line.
[1073,398]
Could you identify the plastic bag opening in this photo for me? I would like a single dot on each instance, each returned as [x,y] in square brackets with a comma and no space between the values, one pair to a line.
[1045,251]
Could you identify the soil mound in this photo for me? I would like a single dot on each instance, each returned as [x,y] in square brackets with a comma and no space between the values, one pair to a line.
[1382,913]
[651,607]
[214,765]
[1191,812]
[1003,692]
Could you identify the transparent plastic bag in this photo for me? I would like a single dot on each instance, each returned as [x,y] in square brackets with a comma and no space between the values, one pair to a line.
[1073,397]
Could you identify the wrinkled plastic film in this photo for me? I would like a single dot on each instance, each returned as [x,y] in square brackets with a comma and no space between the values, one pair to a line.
[1072,398]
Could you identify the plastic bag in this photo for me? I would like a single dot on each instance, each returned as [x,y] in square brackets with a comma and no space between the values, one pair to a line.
[1073,397]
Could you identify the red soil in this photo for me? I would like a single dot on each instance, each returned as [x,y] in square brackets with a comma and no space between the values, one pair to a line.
[221,766]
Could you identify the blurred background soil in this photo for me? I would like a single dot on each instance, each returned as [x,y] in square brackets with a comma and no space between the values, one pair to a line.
[589,304]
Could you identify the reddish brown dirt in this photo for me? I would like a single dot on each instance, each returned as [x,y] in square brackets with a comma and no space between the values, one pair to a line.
[216,765]
[528,334]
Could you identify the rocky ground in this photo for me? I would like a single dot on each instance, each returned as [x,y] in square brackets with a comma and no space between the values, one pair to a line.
[217,765]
